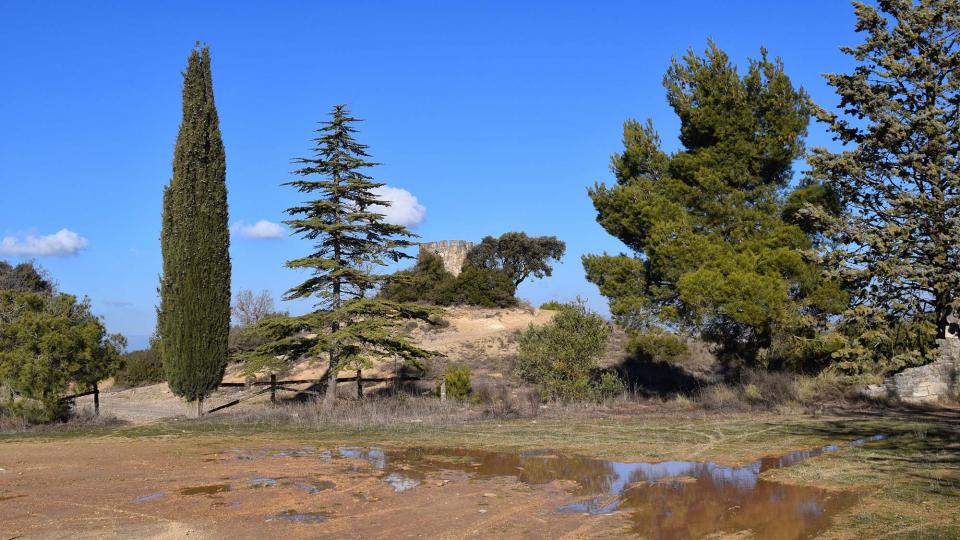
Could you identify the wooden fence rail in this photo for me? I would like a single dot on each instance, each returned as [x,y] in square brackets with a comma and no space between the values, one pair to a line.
[96,398]
[273,385]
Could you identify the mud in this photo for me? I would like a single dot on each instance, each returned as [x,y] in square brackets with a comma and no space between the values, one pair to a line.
[172,488]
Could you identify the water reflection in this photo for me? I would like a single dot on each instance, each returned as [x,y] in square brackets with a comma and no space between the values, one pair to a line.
[667,500]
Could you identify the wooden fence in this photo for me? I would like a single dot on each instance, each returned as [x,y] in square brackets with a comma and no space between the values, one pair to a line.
[273,385]
[96,398]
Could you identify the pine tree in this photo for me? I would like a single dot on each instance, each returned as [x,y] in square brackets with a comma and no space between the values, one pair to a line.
[898,176]
[712,252]
[351,329]
[194,313]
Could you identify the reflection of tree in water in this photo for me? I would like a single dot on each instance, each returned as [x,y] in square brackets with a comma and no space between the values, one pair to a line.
[592,476]
[671,499]
[678,510]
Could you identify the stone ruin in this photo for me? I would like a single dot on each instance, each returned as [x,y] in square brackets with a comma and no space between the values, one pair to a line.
[452,252]
[936,381]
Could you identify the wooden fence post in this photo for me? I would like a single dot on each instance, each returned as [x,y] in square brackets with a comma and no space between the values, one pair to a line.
[443,390]
[96,400]
[359,386]
[273,388]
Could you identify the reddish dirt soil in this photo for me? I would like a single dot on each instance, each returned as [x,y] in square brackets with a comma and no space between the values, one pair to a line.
[210,488]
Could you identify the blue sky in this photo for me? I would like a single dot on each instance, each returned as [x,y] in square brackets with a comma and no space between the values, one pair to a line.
[496,116]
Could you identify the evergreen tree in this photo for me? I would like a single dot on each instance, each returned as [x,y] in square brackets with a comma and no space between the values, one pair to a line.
[713,254]
[194,313]
[349,327]
[898,176]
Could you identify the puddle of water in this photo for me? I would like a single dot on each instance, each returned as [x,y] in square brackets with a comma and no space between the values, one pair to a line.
[150,497]
[667,500]
[205,490]
[300,517]
[400,482]
[262,481]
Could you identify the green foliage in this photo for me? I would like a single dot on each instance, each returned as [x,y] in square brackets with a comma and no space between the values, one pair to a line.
[350,238]
[24,277]
[422,283]
[140,368]
[657,345]
[898,178]
[712,252]
[457,380]
[517,255]
[193,320]
[608,385]
[429,282]
[553,305]
[479,287]
[48,343]
[561,355]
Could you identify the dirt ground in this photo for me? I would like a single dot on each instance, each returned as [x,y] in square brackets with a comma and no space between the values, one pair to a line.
[203,488]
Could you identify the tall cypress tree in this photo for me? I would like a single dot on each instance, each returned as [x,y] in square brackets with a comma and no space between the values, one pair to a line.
[194,313]
[351,238]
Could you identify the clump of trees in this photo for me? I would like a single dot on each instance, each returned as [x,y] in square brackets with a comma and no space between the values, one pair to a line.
[561,356]
[489,277]
[193,320]
[50,342]
[714,252]
[349,326]
[429,282]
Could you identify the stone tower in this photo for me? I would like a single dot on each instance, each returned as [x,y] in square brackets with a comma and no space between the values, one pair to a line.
[452,252]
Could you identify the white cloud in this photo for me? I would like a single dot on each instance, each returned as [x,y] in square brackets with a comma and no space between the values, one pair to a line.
[404,208]
[62,242]
[259,230]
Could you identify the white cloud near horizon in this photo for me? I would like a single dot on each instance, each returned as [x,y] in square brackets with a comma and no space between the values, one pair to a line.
[260,230]
[60,243]
[404,208]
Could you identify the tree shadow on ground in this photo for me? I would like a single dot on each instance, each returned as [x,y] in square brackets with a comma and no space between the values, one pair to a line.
[919,442]
[652,378]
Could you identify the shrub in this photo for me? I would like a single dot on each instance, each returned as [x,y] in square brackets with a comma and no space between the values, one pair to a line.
[140,368]
[457,380]
[480,287]
[752,393]
[561,355]
[553,305]
[657,345]
[608,385]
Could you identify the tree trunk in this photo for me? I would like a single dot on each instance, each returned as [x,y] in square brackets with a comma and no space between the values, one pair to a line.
[199,407]
[330,397]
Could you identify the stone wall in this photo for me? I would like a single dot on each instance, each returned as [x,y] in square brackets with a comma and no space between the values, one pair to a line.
[935,381]
[452,252]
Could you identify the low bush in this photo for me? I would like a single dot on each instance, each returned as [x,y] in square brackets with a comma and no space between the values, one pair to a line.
[457,381]
[140,368]
[553,305]
[560,356]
